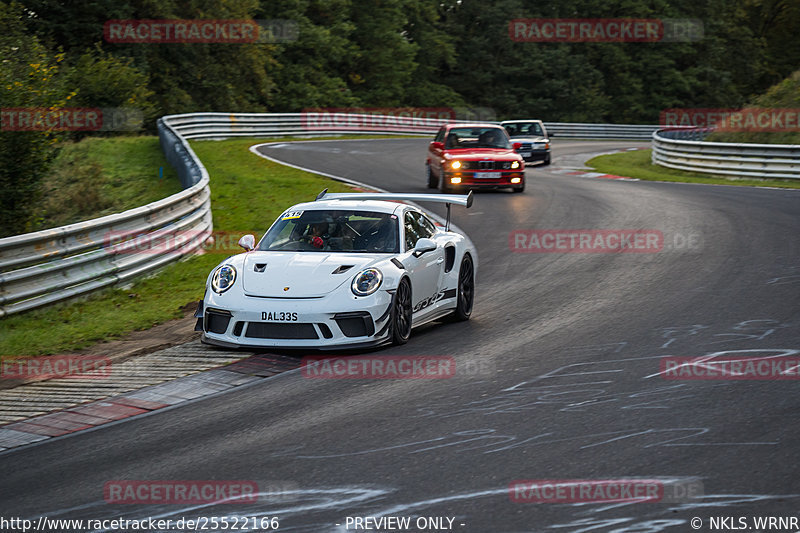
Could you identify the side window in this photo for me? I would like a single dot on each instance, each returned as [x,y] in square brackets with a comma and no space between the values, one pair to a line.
[439,136]
[417,227]
[428,226]
[412,234]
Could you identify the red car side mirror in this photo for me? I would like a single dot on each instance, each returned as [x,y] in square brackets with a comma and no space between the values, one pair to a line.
[517,146]
[437,145]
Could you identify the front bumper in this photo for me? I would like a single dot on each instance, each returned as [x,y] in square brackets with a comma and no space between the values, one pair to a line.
[535,155]
[317,323]
[485,179]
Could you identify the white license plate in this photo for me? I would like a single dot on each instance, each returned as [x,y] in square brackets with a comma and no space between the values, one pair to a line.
[489,175]
[525,154]
[279,316]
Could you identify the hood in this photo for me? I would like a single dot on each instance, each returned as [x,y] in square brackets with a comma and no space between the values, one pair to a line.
[476,154]
[306,274]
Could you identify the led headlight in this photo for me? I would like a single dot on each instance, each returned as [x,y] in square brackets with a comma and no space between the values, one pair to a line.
[367,282]
[455,165]
[223,278]
[515,164]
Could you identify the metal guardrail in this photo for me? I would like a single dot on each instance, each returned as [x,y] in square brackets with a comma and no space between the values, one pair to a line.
[225,125]
[684,149]
[575,130]
[47,266]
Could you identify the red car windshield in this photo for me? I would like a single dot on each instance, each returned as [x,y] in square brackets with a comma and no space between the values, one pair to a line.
[488,137]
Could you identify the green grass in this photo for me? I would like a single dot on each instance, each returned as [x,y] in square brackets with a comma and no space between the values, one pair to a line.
[247,194]
[102,175]
[759,137]
[636,164]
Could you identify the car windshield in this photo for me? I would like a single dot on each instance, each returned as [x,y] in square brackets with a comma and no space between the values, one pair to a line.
[333,231]
[488,137]
[524,129]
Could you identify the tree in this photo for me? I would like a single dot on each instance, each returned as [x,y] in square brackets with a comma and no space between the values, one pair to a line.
[312,70]
[29,78]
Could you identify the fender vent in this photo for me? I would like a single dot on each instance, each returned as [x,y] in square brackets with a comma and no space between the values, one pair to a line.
[260,267]
[449,258]
[342,269]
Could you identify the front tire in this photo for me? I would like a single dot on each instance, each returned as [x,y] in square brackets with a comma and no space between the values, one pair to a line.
[433,181]
[466,290]
[401,313]
[444,186]
[519,189]
[546,161]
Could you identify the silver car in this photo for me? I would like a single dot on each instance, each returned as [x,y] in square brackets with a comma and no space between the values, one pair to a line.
[530,139]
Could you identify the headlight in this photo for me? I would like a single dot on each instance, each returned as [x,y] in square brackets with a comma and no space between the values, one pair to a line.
[223,278]
[367,281]
[515,164]
[455,165]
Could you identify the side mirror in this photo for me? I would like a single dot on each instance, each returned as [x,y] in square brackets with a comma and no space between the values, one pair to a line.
[424,246]
[248,242]
[435,145]
[517,146]
[548,135]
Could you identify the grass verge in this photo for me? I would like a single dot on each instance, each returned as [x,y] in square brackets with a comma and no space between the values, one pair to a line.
[247,194]
[636,164]
[90,179]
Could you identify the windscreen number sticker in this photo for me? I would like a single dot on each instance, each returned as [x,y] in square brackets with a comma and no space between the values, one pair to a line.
[291,214]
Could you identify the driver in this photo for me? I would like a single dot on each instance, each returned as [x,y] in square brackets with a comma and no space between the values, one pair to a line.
[490,138]
[317,234]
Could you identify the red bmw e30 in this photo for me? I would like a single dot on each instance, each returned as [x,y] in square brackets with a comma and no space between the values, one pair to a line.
[474,156]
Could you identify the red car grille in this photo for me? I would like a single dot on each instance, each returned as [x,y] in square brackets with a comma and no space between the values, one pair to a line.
[484,165]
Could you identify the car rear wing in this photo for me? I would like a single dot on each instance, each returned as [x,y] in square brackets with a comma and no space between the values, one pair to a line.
[447,199]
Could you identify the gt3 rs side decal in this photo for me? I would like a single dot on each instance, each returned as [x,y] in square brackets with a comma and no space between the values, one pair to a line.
[441,295]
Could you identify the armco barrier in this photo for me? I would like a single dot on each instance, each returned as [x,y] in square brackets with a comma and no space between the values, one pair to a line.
[52,265]
[685,149]
[225,125]
[574,130]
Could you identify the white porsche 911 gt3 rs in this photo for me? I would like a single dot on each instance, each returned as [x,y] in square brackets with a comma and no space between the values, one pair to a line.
[347,270]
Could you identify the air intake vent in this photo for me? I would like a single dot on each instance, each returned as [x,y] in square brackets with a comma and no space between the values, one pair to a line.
[276,330]
[342,269]
[260,267]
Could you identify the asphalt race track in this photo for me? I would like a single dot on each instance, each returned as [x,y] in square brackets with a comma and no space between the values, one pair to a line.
[559,378]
